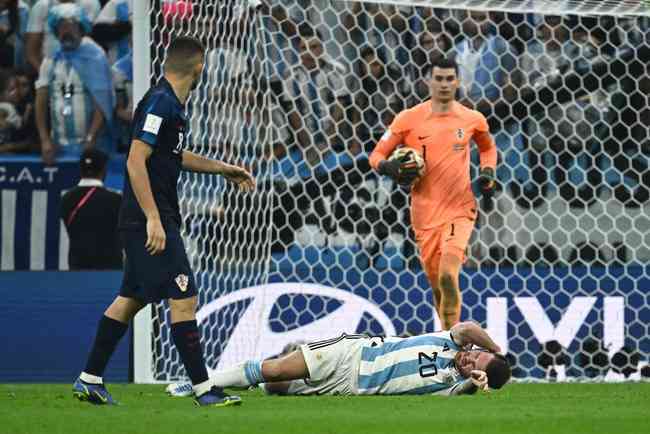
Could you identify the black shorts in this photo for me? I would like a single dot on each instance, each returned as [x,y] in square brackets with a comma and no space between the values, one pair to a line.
[152,278]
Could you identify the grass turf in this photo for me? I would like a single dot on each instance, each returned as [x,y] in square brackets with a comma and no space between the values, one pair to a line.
[519,408]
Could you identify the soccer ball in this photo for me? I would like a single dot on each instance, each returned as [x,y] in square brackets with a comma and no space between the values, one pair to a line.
[407,155]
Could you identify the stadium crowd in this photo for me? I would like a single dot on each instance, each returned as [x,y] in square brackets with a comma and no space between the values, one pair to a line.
[565,96]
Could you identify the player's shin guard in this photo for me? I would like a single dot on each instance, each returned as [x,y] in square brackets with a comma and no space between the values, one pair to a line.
[109,333]
[243,375]
[187,340]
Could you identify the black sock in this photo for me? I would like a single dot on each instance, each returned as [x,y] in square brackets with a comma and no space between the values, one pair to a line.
[188,343]
[109,333]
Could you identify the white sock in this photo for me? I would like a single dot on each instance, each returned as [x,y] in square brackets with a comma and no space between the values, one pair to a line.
[91,379]
[201,388]
[243,375]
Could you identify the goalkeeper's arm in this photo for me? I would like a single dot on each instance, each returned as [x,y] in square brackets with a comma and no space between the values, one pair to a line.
[488,156]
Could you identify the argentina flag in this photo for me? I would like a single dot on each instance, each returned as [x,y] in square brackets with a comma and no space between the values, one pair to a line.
[32,235]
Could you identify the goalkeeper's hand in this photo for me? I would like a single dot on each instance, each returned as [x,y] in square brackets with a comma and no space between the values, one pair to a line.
[403,173]
[487,180]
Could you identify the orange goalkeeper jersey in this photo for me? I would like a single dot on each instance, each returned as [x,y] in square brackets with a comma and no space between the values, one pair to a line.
[444,192]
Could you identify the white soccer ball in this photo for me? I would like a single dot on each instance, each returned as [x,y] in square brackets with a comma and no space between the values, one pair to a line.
[406,155]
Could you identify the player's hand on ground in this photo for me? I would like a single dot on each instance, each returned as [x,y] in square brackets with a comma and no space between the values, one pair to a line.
[480,379]
[156,236]
[487,180]
[239,176]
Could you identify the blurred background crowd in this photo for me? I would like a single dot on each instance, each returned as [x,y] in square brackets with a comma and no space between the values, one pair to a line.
[311,85]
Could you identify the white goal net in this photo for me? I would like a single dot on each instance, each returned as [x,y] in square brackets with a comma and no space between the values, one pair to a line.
[300,91]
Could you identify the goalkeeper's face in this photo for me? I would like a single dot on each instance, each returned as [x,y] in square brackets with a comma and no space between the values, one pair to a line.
[443,85]
[467,361]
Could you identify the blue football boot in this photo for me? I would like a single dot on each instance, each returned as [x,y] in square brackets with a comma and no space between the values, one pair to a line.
[93,393]
[216,397]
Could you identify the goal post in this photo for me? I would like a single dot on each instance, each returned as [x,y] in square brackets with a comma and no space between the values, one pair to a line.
[142,323]
[300,92]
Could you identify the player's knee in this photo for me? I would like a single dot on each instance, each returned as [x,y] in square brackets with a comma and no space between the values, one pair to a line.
[185,307]
[123,309]
[447,282]
[272,370]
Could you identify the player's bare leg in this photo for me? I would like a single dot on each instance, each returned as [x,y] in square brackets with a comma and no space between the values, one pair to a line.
[431,268]
[123,309]
[450,303]
[437,294]
[183,310]
[286,368]
[290,367]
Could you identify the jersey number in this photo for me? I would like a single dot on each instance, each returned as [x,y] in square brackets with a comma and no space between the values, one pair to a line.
[427,363]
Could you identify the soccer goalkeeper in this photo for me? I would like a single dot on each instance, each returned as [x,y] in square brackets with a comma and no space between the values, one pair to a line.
[443,207]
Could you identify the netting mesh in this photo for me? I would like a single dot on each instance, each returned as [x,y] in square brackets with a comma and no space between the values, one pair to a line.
[302,91]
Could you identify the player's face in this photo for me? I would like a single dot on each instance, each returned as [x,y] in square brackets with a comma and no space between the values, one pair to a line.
[443,85]
[467,361]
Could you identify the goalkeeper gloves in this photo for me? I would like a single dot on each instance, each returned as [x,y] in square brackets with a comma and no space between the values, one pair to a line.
[403,173]
[487,180]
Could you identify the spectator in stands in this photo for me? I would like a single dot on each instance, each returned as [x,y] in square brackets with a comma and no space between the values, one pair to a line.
[89,212]
[431,46]
[571,124]
[123,81]
[16,90]
[112,29]
[13,24]
[486,62]
[382,93]
[9,123]
[629,87]
[40,40]
[382,26]
[229,94]
[315,97]
[77,85]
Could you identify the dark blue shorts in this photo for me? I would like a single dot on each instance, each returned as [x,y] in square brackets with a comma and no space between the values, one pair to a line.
[152,278]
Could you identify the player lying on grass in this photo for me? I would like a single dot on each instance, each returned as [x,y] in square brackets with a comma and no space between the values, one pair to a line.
[440,363]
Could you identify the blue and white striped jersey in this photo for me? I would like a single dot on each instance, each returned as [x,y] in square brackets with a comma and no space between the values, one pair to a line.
[69,128]
[415,365]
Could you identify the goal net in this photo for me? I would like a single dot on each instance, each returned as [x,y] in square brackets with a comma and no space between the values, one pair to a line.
[300,92]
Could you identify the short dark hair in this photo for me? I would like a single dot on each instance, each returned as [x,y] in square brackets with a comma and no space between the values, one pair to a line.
[498,371]
[444,63]
[92,163]
[180,53]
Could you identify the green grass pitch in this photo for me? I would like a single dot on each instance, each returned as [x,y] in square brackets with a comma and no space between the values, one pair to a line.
[517,409]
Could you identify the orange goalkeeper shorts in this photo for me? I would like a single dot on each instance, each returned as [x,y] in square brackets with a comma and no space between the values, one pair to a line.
[449,238]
